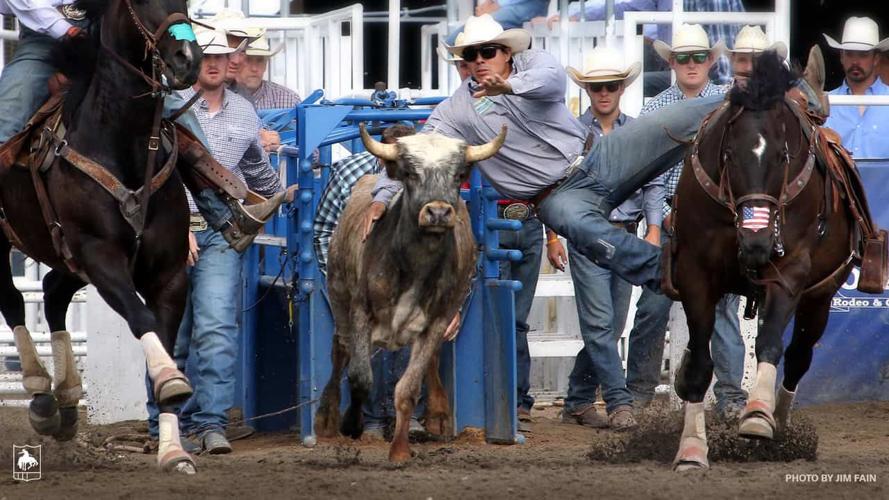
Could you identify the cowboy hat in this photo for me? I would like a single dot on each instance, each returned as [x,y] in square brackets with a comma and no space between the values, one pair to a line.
[234,23]
[215,42]
[604,64]
[689,38]
[753,40]
[443,51]
[484,29]
[262,48]
[859,33]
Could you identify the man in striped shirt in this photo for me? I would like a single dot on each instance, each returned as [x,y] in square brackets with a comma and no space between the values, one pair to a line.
[207,342]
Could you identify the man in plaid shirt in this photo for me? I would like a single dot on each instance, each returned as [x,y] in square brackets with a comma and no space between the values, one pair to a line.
[646,341]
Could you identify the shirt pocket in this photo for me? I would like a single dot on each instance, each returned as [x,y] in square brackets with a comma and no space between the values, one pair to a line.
[239,136]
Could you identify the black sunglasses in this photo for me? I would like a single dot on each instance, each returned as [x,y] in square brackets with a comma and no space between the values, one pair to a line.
[697,57]
[470,54]
[598,86]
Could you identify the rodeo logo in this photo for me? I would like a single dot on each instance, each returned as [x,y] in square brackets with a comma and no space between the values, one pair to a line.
[26,462]
[849,299]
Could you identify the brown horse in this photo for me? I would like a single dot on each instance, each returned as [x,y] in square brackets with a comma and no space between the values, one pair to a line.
[756,215]
[129,249]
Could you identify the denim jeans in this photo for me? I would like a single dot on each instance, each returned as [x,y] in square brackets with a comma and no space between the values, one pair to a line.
[387,367]
[513,15]
[603,300]
[646,350]
[529,240]
[616,166]
[208,336]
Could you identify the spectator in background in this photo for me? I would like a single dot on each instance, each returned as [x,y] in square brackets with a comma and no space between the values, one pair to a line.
[252,85]
[602,297]
[690,57]
[238,35]
[863,128]
[507,13]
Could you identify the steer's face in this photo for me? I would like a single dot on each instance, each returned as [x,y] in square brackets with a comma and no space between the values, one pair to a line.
[432,168]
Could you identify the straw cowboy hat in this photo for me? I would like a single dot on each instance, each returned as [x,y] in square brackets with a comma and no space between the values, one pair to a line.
[604,64]
[484,29]
[859,33]
[753,40]
[443,51]
[689,38]
[215,42]
[262,48]
[234,23]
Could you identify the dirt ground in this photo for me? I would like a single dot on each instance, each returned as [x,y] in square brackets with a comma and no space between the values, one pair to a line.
[555,462]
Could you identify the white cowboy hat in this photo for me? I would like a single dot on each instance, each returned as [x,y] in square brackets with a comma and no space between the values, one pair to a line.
[262,48]
[234,23]
[443,51]
[483,29]
[215,42]
[689,38]
[753,40]
[859,33]
[604,64]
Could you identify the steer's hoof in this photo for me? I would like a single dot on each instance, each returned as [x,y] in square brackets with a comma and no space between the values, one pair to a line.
[43,414]
[68,425]
[399,454]
[756,427]
[439,425]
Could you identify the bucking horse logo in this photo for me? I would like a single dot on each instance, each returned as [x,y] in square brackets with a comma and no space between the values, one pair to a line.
[26,462]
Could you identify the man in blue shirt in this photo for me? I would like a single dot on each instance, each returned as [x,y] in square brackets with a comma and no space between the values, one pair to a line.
[863,128]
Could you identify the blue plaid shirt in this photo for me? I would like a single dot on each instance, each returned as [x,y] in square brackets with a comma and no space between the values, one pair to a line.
[343,175]
[667,97]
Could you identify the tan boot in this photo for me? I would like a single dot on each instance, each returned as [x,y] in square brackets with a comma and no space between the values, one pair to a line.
[247,220]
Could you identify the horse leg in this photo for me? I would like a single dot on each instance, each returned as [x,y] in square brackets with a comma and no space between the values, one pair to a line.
[809,323]
[757,419]
[327,419]
[58,290]
[693,379]
[108,271]
[360,375]
[165,295]
[438,414]
[407,390]
[43,410]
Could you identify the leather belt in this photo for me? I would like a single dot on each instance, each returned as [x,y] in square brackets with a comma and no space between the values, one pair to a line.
[514,211]
[197,223]
[630,226]
[537,200]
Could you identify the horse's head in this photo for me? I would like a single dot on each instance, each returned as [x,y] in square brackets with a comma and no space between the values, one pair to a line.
[760,154]
[156,36]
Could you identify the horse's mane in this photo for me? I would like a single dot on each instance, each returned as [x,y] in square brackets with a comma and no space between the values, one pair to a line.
[767,84]
[76,58]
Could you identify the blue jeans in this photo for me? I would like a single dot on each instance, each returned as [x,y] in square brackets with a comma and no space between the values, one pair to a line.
[529,240]
[208,336]
[387,367]
[646,350]
[616,166]
[603,300]
[513,15]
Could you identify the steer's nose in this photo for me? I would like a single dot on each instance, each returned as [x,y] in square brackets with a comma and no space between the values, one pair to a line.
[437,214]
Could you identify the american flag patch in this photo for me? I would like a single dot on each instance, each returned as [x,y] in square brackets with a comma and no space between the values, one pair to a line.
[755,218]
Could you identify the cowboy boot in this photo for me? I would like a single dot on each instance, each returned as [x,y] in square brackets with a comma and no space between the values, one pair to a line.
[247,220]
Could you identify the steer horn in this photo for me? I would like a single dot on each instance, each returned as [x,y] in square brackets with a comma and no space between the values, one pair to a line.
[485,151]
[386,152]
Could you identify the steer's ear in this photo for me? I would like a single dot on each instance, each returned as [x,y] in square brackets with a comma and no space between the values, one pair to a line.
[394,170]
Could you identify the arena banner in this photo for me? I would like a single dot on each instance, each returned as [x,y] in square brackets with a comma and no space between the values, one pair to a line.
[851,362]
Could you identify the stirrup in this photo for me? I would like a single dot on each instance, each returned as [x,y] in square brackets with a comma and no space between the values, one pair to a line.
[248,220]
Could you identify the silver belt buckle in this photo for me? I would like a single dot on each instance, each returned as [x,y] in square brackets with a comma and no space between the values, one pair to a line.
[73,13]
[574,165]
[197,223]
[516,211]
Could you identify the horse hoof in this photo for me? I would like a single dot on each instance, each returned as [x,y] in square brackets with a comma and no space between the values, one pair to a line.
[174,391]
[399,456]
[353,429]
[756,428]
[327,423]
[68,425]
[691,456]
[43,413]
[177,460]
[690,466]
[439,425]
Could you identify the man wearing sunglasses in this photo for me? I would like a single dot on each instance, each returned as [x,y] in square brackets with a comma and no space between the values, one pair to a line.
[602,297]
[690,58]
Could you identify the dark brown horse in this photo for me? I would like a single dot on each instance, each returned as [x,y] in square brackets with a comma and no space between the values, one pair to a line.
[139,49]
[756,215]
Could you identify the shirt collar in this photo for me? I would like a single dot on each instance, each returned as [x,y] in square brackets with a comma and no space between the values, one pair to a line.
[621,119]
[873,89]
[202,103]
[705,90]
